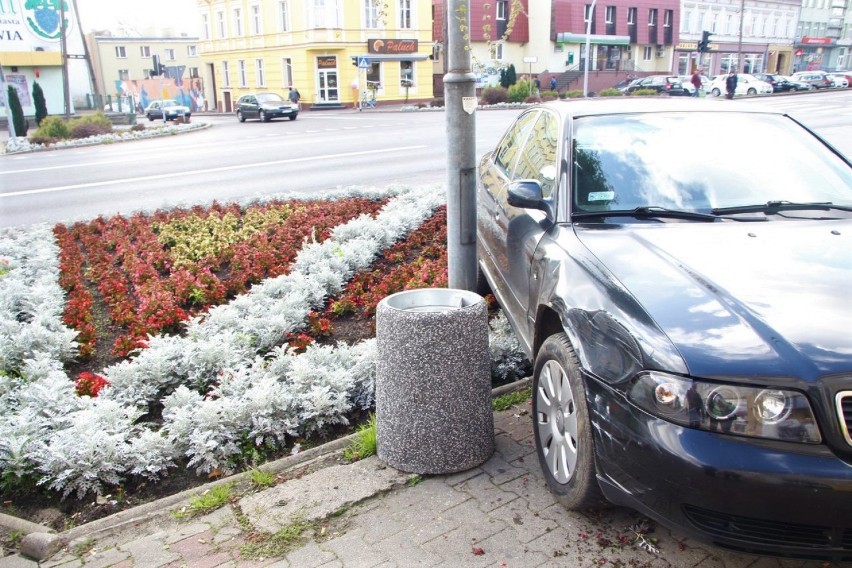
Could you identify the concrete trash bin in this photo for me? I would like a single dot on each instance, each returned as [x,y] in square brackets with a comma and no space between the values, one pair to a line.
[433,381]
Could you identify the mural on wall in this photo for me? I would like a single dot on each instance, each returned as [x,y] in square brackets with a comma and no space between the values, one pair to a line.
[20,83]
[186,92]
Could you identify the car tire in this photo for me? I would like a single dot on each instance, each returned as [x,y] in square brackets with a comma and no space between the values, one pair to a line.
[151,118]
[262,116]
[293,116]
[715,92]
[751,92]
[240,116]
[562,428]
[481,285]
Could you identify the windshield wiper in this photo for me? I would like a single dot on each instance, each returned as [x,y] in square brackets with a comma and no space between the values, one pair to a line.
[647,211]
[772,207]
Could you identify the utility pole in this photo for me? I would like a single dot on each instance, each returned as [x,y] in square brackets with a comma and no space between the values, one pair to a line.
[588,47]
[86,54]
[63,48]
[460,101]
[4,99]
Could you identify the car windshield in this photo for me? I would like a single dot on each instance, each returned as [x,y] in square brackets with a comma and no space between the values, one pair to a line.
[170,102]
[622,162]
[269,98]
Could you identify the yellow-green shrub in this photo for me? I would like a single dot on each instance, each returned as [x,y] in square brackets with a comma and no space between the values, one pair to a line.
[52,127]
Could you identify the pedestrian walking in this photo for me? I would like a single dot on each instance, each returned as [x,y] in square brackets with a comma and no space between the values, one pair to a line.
[731,84]
[553,83]
[537,83]
[696,82]
[294,95]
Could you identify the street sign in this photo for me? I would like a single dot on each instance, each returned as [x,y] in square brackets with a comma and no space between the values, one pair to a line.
[363,63]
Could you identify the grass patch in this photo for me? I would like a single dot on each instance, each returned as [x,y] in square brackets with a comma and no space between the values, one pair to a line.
[416,480]
[288,538]
[262,479]
[364,444]
[508,400]
[206,502]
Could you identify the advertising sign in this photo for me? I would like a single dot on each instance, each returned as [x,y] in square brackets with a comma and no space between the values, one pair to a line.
[29,24]
[391,46]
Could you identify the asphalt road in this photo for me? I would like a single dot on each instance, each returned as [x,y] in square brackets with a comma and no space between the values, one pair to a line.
[318,151]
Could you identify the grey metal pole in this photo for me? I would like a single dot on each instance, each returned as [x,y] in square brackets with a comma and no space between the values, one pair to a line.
[4,100]
[588,47]
[63,48]
[460,84]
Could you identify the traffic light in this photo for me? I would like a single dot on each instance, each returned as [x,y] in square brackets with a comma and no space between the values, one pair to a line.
[704,44]
[158,68]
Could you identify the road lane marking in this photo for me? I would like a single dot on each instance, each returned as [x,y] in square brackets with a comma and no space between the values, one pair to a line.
[209,170]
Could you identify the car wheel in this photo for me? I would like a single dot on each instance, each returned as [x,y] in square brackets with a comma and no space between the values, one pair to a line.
[240,116]
[715,92]
[262,116]
[151,118]
[563,431]
[751,92]
[293,116]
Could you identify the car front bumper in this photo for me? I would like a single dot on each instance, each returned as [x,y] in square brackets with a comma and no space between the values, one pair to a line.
[755,496]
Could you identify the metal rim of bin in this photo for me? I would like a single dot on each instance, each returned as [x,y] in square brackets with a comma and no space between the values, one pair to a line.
[433,383]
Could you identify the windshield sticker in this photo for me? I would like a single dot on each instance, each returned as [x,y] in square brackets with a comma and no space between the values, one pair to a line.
[601,196]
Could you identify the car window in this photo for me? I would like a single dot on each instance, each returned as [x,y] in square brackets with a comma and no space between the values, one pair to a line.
[269,98]
[628,161]
[538,157]
[509,148]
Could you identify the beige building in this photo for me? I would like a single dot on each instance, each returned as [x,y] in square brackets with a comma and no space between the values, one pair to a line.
[317,46]
[123,67]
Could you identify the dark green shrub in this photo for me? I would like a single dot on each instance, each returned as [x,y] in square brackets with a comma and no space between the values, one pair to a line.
[86,130]
[573,94]
[39,102]
[610,92]
[137,127]
[532,100]
[549,95]
[494,95]
[18,119]
[46,140]
[97,119]
[438,102]
[53,127]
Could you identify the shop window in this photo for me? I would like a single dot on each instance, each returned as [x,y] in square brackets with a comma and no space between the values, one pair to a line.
[374,76]
[406,74]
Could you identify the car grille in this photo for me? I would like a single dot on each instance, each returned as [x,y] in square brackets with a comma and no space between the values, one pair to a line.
[844,412]
[819,541]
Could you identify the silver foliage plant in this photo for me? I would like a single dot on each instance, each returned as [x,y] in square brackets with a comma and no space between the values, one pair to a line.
[256,392]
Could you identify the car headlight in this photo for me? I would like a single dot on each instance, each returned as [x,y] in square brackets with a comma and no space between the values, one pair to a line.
[728,408]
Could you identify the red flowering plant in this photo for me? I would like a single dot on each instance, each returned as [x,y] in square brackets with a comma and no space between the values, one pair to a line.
[89,384]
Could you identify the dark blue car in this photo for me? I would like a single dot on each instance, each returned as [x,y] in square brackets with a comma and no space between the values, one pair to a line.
[689,322]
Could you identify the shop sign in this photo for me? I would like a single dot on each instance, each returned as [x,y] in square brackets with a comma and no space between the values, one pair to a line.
[327,62]
[687,46]
[816,40]
[391,46]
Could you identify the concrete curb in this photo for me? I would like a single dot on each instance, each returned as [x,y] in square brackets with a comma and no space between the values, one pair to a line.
[40,543]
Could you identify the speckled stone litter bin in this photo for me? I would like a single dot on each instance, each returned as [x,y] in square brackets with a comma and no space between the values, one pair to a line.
[433,383]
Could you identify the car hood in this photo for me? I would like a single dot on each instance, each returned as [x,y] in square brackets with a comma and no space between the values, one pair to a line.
[764,299]
[175,107]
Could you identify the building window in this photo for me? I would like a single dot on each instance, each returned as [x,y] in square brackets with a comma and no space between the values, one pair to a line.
[123,75]
[192,50]
[667,18]
[631,16]
[256,26]
[238,22]
[497,51]
[371,14]
[145,50]
[241,69]
[406,74]
[226,76]
[220,18]
[205,25]
[610,14]
[732,21]
[588,15]
[326,14]
[405,14]
[501,9]
[648,53]
[170,54]
[283,17]
[193,72]
[652,17]
[685,22]
[261,78]
[120,52]
[287,71]
[374,76]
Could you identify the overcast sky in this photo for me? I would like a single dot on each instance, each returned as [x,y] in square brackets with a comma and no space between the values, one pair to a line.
[146,17]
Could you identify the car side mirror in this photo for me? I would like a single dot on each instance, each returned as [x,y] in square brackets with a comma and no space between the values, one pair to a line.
[527,194]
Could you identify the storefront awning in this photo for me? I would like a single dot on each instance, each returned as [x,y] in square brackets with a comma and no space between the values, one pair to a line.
[566,37]
[392,57]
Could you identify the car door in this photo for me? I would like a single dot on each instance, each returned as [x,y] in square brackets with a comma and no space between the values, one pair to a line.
[250,107]
[510,234]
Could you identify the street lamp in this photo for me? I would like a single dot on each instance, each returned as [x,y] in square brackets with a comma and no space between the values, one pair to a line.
[588,54]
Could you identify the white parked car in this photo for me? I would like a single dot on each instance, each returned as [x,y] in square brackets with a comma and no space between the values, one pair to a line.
[746,85]
[840,80]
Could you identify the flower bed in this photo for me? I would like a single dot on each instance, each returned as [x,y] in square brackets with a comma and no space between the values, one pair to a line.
[229,385]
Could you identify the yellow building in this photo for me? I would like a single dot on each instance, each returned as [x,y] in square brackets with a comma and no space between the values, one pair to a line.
[316,46]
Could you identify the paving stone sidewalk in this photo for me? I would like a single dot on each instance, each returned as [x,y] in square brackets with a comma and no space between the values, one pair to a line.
[368,515]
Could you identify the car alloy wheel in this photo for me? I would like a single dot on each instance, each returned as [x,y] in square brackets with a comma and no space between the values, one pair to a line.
[240,116]
[752,92]
[563,432]
[715,92]
[262,116]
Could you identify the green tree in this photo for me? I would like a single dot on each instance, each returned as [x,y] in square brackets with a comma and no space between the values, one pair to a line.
[40,103]
[504,79]
[18,118]
[511,75]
